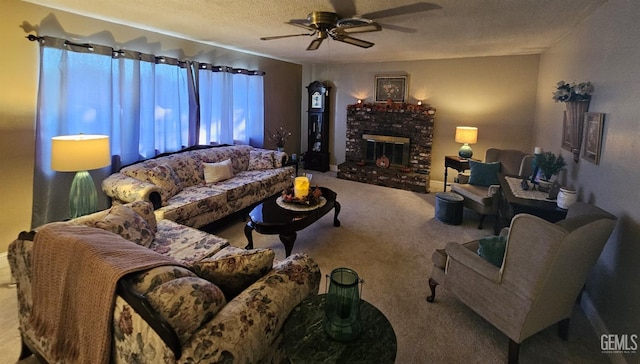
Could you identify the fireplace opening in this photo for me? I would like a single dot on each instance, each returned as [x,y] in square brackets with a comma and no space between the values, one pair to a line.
[395,148]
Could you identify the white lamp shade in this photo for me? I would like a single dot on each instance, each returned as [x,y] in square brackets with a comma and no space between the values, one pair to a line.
[73,153]
[466,134]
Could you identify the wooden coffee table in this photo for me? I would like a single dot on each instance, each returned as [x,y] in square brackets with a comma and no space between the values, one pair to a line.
[271,219]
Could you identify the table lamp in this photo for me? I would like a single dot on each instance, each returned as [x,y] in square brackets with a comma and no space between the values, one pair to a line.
[80,153]
[467,135]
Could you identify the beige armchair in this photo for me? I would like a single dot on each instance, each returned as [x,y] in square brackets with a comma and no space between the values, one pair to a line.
[484,199]
[545,266]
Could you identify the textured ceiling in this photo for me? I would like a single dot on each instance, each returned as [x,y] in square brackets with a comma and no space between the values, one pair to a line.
[451,29]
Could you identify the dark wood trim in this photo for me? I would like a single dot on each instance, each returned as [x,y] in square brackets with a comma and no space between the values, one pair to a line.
[158,323]
[432,285]
[514,352]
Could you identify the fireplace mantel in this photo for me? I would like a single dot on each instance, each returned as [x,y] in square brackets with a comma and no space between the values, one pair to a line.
[394,120]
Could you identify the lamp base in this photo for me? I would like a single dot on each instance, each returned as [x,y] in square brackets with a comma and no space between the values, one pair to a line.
[465,151]
[83,198]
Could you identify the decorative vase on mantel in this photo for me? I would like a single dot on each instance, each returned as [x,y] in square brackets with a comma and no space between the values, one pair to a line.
[575,117]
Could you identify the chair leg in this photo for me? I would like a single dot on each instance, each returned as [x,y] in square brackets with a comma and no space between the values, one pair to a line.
[514,352]
[25,351]
[481,220]
[563,329]
[432,285]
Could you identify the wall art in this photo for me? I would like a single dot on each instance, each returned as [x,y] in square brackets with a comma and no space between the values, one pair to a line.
[391,87]
[594,124]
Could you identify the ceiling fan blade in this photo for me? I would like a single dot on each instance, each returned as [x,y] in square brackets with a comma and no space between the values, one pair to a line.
[353,41]
[344,8]
[304,25]
[285,36]
[315,44]
[397,28]
[359,27]
[402,10]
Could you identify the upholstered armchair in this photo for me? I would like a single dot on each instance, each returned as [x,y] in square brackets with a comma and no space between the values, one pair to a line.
[543,270]
[481,190]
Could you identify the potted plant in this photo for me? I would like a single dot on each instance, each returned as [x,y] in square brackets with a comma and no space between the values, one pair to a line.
[279,137]
[549,165]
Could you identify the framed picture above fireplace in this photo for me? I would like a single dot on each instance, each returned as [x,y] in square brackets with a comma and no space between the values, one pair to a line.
[391,87]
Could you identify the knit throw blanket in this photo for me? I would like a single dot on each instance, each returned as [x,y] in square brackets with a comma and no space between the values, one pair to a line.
[75,272]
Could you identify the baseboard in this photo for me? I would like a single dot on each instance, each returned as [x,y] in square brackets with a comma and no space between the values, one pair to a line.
[598,325]
[4,262]
[436,186]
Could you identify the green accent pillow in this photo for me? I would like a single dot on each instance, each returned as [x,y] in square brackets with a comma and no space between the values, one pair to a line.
[484,174]
[492,249]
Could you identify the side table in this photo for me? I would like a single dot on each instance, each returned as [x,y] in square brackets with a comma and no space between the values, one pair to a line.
[306,341]
[457,163]
[509,205]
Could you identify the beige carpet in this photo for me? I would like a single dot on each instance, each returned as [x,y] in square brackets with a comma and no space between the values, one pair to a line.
[387,236]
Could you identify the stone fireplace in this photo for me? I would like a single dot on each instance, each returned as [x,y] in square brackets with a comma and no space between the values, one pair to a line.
[403,133]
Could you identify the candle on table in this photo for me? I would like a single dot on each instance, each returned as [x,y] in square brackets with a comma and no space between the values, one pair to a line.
[301,187]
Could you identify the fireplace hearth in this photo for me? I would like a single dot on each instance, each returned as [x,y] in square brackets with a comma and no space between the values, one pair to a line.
[403,133]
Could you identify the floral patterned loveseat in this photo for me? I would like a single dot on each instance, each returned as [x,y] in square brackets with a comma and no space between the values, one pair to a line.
[217,304]
[188,188]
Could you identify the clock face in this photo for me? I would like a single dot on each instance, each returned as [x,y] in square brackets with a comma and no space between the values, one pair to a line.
[316,100]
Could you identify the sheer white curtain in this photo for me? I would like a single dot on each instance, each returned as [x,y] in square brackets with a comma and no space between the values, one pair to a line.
[141,105]
[216,107]
[231,107]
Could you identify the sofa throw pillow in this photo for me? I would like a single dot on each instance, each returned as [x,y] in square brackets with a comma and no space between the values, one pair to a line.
[260,160]
[484,174]
[125,222]
[492,249]
[216,172]
[145,209]
[145,281]
[187,303]
[166,178]
[234,269]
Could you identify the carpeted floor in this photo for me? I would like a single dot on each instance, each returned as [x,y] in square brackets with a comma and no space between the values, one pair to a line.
[387,236]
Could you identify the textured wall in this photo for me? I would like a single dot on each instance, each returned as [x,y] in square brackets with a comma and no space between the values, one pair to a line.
[604,50]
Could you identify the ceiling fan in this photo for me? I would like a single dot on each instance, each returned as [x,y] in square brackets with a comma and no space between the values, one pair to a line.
[340,24]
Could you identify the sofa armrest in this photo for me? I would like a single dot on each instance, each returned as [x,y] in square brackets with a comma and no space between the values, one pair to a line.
[473,261]
[281,159]
[245,330]
[143,307]
[125,189]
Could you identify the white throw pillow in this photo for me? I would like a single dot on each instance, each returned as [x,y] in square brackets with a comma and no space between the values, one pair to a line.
[216,172]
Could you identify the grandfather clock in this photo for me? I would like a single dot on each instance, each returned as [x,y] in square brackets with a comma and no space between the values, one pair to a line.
[317,156]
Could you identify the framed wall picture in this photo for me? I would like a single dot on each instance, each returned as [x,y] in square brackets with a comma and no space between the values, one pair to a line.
[566,133]
[391,87]
[594,123]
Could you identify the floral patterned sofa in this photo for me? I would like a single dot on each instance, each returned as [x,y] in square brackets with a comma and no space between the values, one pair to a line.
[188,187]
[217,303]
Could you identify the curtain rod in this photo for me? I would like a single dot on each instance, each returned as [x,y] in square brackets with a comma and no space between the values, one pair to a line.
[158,59]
